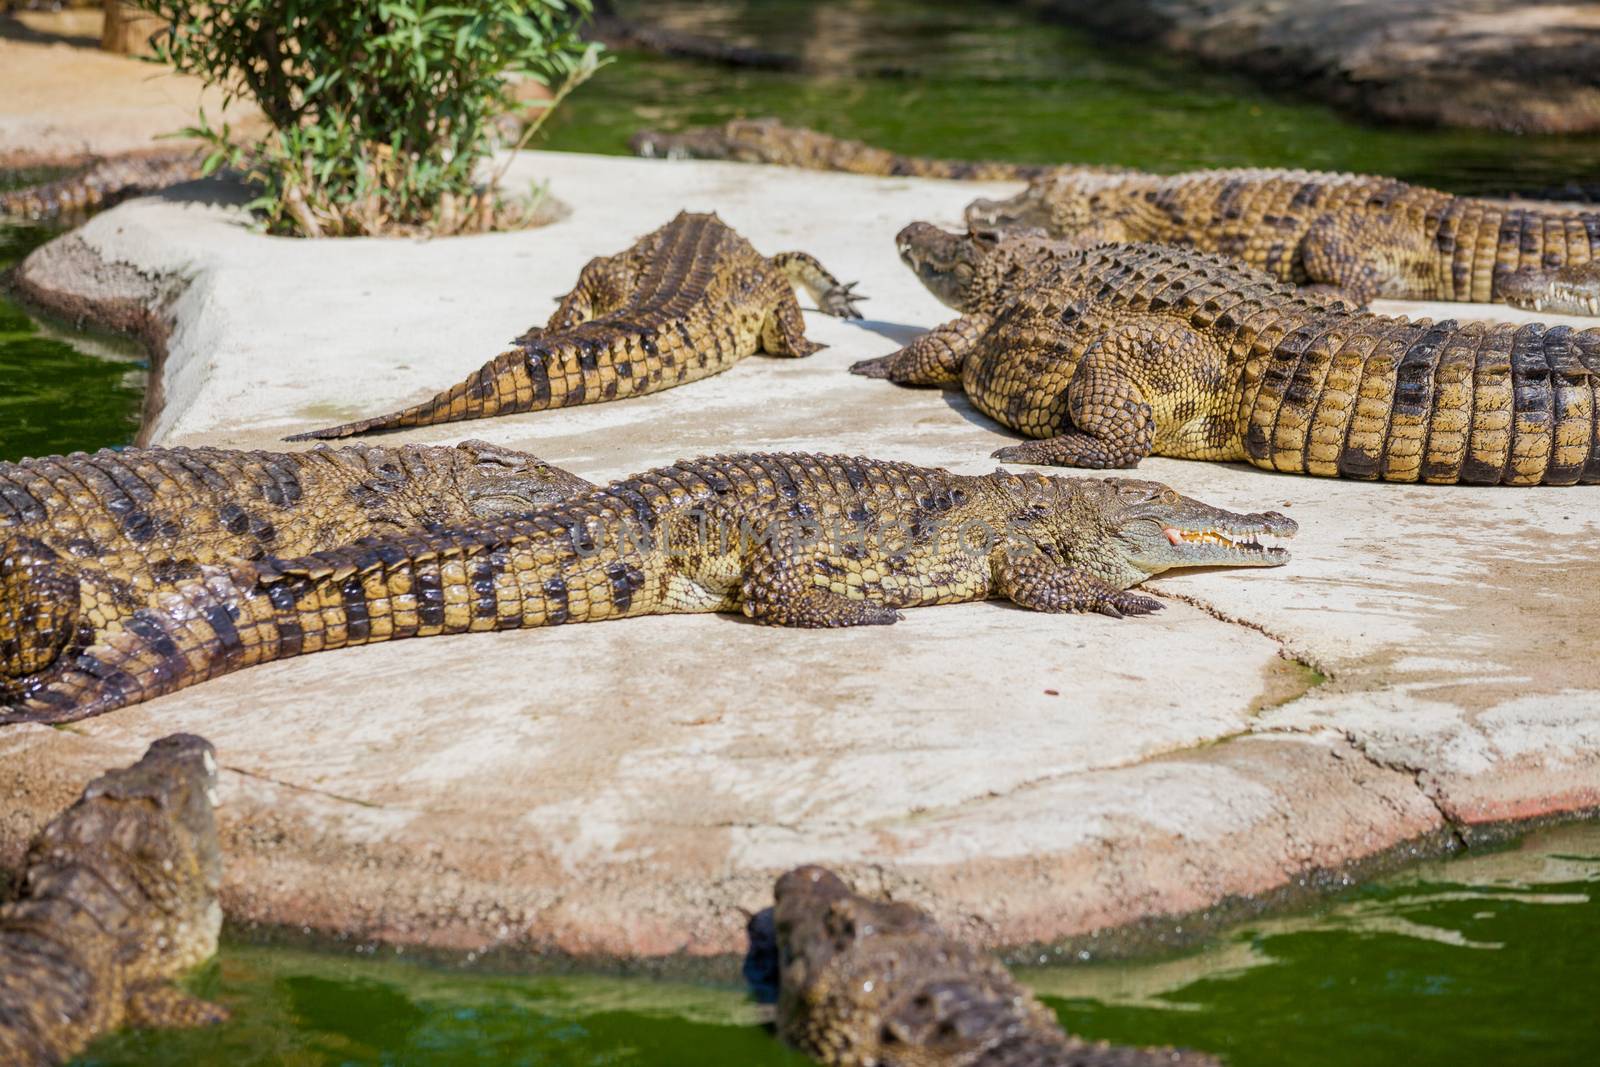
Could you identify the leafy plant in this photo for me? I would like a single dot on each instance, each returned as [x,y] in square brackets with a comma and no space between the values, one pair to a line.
[382,113]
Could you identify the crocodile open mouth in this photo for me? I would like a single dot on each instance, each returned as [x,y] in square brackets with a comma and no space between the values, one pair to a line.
[1249,543]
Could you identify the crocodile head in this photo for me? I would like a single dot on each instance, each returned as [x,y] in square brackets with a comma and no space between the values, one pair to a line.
[1123,530]
[763,140]
[815,919]
[971,271]
[1571,290]
[1060,202]
[148,833]
[501,481]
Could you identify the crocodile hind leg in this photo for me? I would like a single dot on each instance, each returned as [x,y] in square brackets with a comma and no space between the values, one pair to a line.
[780,589]
[39,602]
[1363,257]
[783,331]
[1035,581]
[832,296]
[933,359]
[603,286]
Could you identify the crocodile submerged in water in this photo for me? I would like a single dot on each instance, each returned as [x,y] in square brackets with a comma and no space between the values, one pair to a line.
[787,539]
[685,302]
[862,981]
[103,182]
[119,898]
[1124,351]
[770,141]
[1363,236]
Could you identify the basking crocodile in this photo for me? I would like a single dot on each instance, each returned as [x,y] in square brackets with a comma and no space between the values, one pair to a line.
[787,539]
[1364,236]
[866,981]
[1124,351]
[119,898]
[1571,290]
[125,510]
[685,302]
[770,141]
[103,182]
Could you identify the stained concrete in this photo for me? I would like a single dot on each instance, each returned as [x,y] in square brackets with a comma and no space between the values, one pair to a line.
[624,789]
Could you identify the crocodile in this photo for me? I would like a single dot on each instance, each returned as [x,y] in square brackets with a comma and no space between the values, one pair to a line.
[1363,236]
[767,140]
[1124,351]
[687,301]
[1573,290]
[864,981]
[124,510]
[104,181]
[788,539]
[119,898]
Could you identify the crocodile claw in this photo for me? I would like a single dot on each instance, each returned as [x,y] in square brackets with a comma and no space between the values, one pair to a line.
[841,301]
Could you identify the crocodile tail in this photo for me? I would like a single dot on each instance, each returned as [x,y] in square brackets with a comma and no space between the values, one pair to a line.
[187,634]
[102,183]
[1481,403]
[505,385]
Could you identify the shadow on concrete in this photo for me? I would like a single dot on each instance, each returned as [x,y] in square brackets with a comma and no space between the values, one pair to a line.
[898,332]
[219,190]
[14,29]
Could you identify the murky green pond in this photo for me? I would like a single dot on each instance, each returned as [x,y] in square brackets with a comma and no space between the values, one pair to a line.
[63,389]
[1491,959]
[1482,959]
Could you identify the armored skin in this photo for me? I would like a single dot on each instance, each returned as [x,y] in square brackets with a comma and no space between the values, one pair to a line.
[119,898]
[685,302]
[135,521]
[124,510]
[104,182]
[1124,351]
[875,983]
[1363,236]
[767,140]
[788,539]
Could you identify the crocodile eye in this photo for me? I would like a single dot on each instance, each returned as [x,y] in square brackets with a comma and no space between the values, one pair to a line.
[1169,496]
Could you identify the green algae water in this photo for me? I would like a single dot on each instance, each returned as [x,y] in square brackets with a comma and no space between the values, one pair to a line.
[1481,959]
[957,78]
[64,389]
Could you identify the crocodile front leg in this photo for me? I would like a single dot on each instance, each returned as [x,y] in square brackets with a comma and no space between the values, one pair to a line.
[163,1006]
[1033,580]
[933,359]
[832,296]
[1363,257]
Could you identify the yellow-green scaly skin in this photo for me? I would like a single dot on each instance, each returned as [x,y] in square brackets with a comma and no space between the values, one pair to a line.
[1362,235]
[788,539]
[1124,351]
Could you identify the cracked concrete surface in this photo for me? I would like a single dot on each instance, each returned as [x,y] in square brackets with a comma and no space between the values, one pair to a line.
[624,789]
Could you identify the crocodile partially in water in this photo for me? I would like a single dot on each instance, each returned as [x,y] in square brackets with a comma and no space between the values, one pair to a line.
[864,981]
[1125,351]
[789,539]
[102,182]
[687,301]
[119,898]
[1363,236]
[767,140]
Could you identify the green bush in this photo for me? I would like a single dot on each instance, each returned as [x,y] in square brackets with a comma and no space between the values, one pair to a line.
[382,112]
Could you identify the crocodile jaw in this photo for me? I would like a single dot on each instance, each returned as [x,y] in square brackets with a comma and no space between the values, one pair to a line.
[1257,544]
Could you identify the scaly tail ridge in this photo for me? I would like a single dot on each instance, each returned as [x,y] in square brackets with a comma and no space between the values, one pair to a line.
[503,386]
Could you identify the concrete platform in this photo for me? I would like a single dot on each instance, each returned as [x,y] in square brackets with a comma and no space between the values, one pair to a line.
[1424,666]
